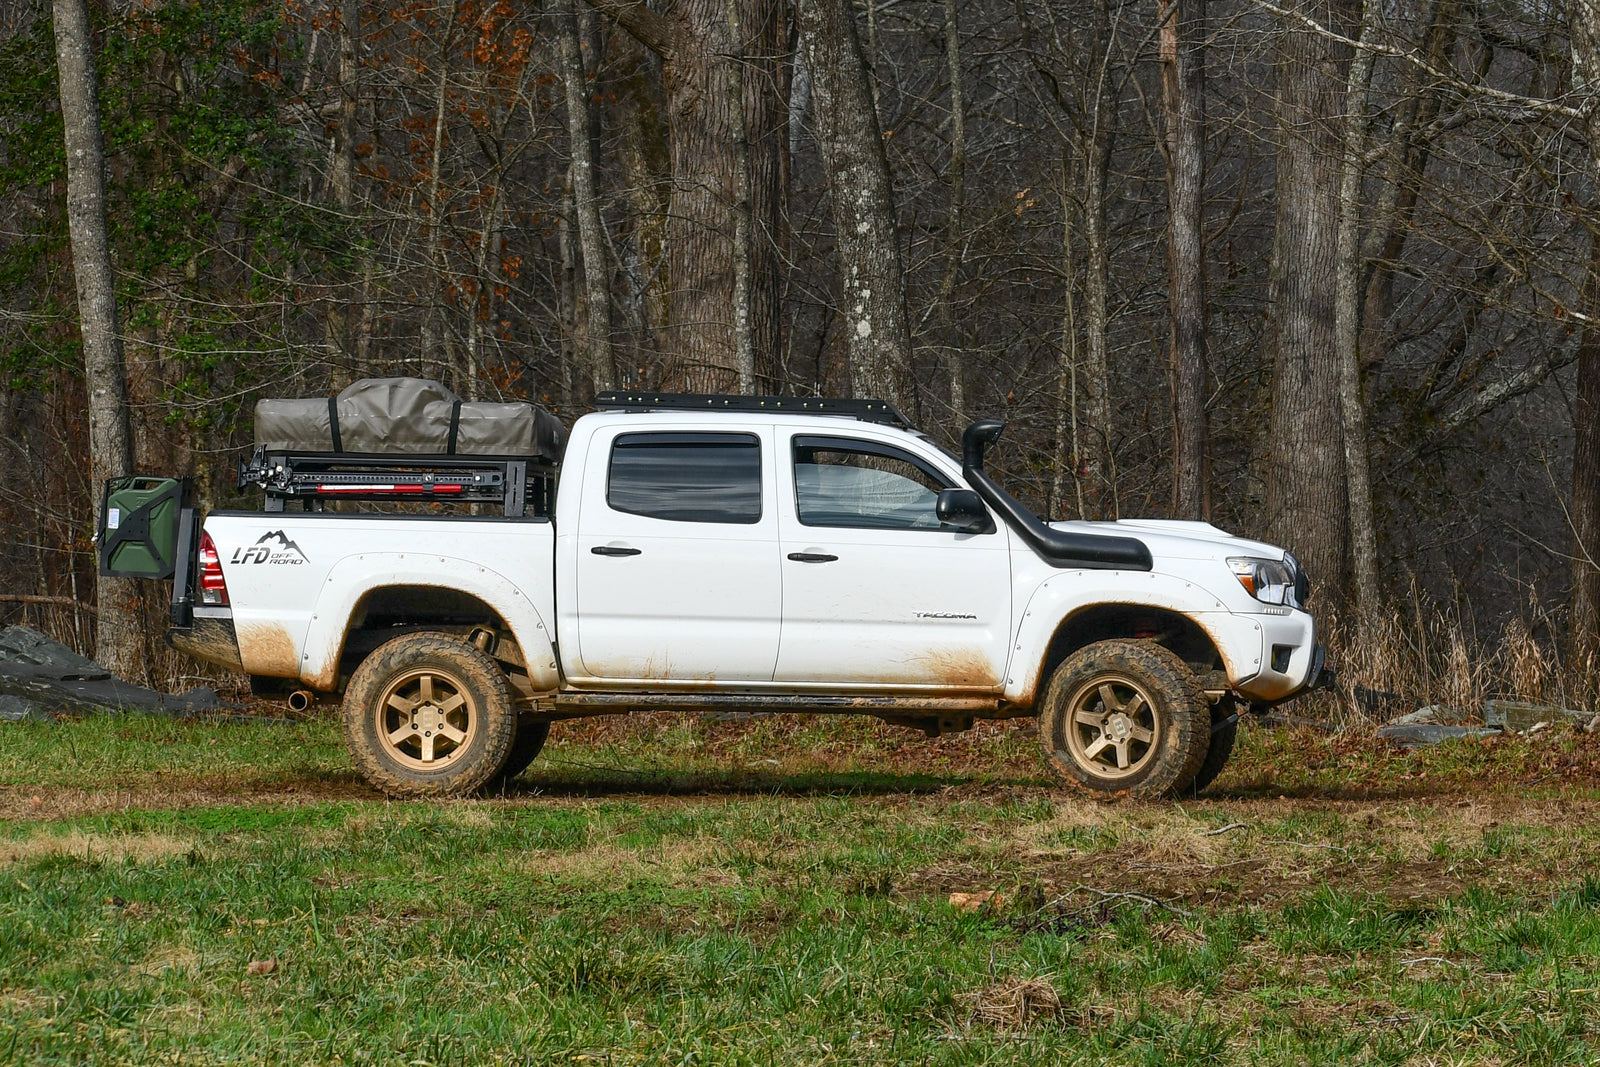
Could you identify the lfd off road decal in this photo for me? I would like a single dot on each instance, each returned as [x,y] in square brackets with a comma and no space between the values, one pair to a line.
[272,547]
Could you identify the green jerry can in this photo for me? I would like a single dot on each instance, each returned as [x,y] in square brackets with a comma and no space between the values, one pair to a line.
[138,529]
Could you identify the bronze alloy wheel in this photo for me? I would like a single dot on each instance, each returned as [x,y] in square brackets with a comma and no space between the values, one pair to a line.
[425,718]
[1113,727]
[1125,717]
[429,715]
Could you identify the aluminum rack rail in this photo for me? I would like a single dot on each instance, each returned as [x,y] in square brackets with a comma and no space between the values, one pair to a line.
[313,478]
[865,410]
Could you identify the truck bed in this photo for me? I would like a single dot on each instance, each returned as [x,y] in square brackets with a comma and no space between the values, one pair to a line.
[296,580]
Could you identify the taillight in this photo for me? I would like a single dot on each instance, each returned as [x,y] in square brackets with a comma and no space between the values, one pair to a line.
[213,590]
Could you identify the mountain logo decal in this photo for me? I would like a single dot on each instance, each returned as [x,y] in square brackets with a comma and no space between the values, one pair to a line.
[273,547]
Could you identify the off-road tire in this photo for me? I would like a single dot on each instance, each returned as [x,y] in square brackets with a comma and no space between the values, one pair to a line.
[429,671]
[1223,735]
[1125,689]
[525,747]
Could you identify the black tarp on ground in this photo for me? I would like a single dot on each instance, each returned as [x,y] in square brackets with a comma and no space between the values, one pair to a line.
[41,678]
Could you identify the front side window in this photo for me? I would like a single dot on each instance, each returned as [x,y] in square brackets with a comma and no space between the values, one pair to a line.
[862,484]
[687,477]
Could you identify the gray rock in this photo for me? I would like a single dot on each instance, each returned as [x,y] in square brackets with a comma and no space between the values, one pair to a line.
[1415,735]
[1523,716]
[1430,714]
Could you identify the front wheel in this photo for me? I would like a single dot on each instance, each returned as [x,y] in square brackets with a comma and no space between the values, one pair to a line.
[1125,717]
[428,715]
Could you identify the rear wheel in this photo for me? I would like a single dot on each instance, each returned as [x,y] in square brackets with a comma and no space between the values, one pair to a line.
[525,748]
[1125,718]
[428,715]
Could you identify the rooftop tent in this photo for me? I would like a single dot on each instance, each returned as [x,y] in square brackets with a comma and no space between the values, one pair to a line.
[407,415]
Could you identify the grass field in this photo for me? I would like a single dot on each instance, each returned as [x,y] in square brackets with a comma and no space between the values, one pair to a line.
[667,890]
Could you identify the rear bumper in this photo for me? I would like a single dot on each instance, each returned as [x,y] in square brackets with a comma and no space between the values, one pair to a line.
[210,638]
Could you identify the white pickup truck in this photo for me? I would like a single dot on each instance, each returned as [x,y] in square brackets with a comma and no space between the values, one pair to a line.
[754,554]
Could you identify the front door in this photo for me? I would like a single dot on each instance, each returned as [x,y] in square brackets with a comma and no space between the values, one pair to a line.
[876,591]
[677,559]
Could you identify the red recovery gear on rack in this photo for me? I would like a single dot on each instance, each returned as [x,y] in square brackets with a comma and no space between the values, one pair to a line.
[333,490]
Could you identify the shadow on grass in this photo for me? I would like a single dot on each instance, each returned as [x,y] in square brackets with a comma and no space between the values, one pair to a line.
[620,782]
[1441,788]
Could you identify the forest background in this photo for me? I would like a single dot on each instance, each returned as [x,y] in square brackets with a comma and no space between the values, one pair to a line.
[1326,273]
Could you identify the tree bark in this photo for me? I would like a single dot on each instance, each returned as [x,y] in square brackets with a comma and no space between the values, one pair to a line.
[341,184]
[955,365]
[119,642]
[432,339]
[693,39]
[1068,450]
[744,354]
[1183,86]
[1584,651]
[594,333]
[1097,469]
[1408,156]
[1583,21]
[1306,493]
[866,236]
[1347,329]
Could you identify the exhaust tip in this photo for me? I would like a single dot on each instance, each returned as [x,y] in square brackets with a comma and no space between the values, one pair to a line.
[301,699]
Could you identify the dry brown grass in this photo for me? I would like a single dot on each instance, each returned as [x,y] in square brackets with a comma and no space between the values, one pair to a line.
[1431,653]
[1014,1003]
[103,848]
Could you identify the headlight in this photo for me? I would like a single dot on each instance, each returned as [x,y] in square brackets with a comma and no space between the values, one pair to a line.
[1267,580]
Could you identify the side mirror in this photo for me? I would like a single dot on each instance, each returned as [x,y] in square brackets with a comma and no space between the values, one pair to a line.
[963,509]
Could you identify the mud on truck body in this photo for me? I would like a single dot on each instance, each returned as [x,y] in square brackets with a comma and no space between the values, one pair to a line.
[710,552]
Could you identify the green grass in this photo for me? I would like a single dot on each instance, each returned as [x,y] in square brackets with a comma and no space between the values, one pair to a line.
[671,891]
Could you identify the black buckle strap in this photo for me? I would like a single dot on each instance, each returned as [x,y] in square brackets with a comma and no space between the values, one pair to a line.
[333,423]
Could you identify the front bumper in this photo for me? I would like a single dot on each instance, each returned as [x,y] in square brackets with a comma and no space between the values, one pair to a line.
[1290,660]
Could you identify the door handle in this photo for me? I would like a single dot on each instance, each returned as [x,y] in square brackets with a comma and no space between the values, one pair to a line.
[614,550]
[812,557]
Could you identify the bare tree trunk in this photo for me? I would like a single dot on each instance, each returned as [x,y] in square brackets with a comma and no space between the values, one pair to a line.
[863,203]
[1068,451]
[1183,86]
[594,337]
[1584,23]
[692,37]
[572,352]
[1347,329]
[341,184]
[743,342]
[1584,653]
[955,369]
[432,326]
[641,156]
[1306,496]
[1408,156]
[119,643]
[1097,466]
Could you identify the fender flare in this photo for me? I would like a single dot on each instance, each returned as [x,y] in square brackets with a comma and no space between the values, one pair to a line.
[1237,638]
[355,576]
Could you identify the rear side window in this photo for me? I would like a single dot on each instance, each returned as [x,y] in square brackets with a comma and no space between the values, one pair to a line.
[687,477]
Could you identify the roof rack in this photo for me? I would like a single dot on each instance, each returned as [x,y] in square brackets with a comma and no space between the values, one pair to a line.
[519,484]
[865,410]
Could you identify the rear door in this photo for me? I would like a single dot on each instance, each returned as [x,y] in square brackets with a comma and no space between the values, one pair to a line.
[677,558]
[876,591]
